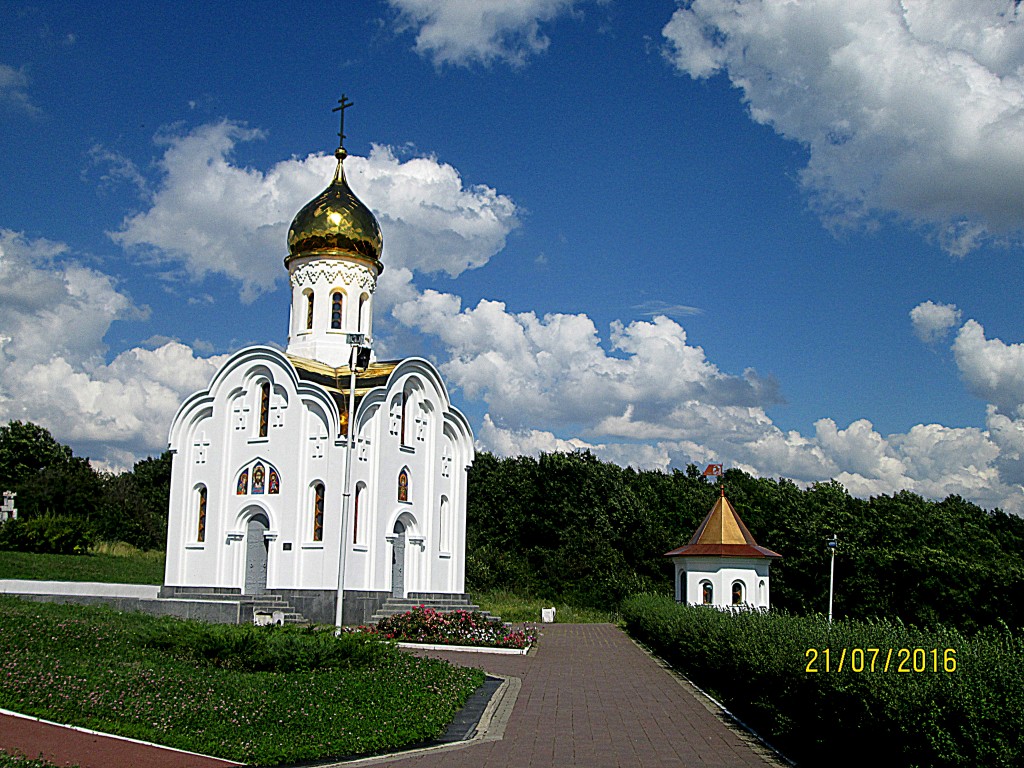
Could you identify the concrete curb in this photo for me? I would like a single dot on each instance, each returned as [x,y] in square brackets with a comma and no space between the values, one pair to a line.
[466,648]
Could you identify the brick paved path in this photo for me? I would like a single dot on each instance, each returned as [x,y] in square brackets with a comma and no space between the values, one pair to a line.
[590,697]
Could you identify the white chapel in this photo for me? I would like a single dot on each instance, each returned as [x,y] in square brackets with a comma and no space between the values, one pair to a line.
[722,566]
[272,493]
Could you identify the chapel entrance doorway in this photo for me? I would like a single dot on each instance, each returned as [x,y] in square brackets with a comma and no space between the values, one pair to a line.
[398,561]
[256,555]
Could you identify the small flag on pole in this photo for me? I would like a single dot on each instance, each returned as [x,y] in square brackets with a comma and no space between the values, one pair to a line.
[713,470]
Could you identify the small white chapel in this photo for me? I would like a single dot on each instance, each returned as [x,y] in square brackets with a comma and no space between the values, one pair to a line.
[275,492]
[722,566]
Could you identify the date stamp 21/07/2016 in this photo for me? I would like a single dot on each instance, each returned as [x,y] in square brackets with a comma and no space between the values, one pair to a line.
[881,660]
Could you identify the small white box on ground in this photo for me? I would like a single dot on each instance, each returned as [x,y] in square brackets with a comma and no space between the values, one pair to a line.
[547,615]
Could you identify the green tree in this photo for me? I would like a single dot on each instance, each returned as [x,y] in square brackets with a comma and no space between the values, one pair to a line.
[27,449]
[134,504]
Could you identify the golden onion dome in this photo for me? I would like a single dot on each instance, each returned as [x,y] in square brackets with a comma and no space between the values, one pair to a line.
[336,223]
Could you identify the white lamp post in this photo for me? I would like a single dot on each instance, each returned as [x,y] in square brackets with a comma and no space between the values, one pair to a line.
[832,544]
[358,342]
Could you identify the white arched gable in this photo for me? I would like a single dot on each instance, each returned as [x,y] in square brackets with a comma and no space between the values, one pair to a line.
[426,374]
[197,407]
[235,376]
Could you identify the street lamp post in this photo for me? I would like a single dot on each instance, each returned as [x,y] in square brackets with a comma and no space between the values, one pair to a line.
[357,356]
[832,544]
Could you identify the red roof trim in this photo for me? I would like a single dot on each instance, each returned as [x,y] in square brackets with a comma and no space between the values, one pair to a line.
[723,550]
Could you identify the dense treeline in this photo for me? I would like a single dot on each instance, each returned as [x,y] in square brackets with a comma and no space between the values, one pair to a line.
[64,504]
[573,527]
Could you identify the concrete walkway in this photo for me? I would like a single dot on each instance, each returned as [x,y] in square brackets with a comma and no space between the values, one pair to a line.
[589,697]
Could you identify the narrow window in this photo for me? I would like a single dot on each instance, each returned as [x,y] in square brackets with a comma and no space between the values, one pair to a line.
[707,593]
[309,311]
[737,593]
[403,485]
[355,514]
[201,528]
[401,418]
[318,512]
[264,408]
[445,526]
[362,313]
[336,306]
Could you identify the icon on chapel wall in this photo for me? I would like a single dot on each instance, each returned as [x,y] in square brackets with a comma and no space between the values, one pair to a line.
[258,478]
[274,482]
[403,485]
[243,483]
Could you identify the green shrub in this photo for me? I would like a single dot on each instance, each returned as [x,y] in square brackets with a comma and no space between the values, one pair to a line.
[265,649]
[50,535]
[757,664]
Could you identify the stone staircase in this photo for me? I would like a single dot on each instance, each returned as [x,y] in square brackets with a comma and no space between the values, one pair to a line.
[439,601]
[249,606]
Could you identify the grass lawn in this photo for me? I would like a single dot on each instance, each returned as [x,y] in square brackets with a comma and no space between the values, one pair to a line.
[515,607]
[118,565]
[20,761]
[251,694]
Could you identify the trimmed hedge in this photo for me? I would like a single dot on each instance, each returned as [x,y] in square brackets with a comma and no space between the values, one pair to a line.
[756,663]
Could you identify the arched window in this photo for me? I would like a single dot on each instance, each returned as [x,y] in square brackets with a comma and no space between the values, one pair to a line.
[444,527]
[318,512]
[336,307]
[362,320]
[259,478]
[401,418]
[355,513]
[264,407]
[309,311]
[243,483]
[201,526]
[707,593]
[737,593]
[403,485]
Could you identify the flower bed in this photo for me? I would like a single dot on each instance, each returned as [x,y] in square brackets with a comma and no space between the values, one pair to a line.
[425,625]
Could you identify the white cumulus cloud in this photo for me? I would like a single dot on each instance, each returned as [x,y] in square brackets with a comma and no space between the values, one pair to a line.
[460,32]
[647,397]
[54,313]
[933,321]
[214,216]
[912,108]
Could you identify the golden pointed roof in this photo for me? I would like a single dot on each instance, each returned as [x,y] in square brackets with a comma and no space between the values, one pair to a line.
[723,533]
[336,223]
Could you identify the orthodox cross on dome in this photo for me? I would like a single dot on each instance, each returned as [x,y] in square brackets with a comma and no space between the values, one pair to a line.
[343,104]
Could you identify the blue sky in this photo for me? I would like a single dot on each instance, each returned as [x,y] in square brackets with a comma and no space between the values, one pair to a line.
[785,238]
